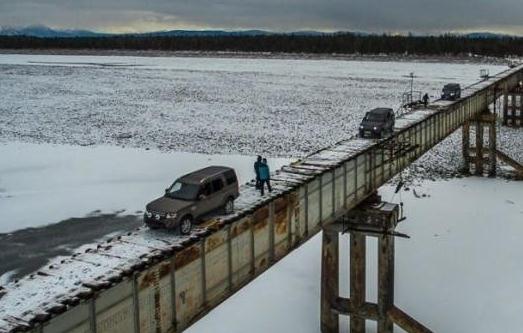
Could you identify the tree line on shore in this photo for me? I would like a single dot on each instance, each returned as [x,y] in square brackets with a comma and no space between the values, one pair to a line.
[342,43]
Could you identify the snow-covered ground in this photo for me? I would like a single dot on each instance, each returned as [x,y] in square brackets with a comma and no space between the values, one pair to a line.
[280,107]
[43,183]
[83,134]
[459,272]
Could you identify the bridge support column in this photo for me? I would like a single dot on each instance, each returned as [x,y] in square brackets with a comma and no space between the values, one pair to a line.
[385,282]
[329,280]
[357,279]
[475,156]
[513,107]
[465,138]
[373,218]
[478,162]
[505,107]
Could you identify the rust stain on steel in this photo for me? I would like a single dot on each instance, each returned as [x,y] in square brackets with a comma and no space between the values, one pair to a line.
[258,225]
[241,227]
[187,255]
[280,222]
[280,204]
[214,241]
[147,280]
[261,214]
[209,223]
[157,308]
[293,198]
[260,218]
[164,269]
[263,263]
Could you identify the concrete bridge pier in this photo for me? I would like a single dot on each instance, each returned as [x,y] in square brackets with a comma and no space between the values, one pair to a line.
[478,157]
[373,218]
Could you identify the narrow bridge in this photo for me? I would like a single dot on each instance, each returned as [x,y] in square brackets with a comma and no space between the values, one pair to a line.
[154,281]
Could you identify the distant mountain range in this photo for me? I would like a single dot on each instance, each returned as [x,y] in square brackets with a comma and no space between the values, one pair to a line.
[46,32]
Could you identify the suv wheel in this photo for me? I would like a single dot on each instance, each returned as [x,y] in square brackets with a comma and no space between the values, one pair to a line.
[229,206]
[186,225]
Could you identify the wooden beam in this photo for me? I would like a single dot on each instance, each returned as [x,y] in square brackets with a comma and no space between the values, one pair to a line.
[479,147]
[357,280]
[385,282]
[492,148]
[329,281]
[465,143]
[406,322]
[366,310]
[513,163]
[505,105]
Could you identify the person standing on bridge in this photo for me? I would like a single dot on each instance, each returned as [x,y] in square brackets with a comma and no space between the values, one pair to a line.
[265,176]
[425,99]
[257,171]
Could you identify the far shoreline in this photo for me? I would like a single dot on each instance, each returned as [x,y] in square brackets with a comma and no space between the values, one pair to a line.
[459,59]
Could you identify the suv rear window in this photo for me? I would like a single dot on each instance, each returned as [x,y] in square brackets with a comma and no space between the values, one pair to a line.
[217,184]
[230,177]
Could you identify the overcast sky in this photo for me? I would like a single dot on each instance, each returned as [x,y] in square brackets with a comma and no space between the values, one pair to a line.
[424,16]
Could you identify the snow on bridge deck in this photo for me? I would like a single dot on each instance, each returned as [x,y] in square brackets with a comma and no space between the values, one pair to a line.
[68,281]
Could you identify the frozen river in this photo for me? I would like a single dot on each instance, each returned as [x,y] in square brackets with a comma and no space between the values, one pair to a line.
[277,107]
[206,105]
[42,184]
[88,140]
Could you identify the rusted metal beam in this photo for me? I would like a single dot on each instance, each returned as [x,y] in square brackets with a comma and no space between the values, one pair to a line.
[357,280]
[329,281]
[406,322]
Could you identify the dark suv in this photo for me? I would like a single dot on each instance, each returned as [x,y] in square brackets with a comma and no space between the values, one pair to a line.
[377,123]
[192,196]
[451,91]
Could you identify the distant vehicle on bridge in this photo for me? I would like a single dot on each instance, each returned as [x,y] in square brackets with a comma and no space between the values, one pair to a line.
[377,123]
[192,196]
[451,92]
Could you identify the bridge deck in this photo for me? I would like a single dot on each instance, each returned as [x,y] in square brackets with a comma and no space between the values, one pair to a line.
[157,281]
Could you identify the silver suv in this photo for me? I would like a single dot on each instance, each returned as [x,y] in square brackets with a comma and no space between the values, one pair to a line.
[192,196]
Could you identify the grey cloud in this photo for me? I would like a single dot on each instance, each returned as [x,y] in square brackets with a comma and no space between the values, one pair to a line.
[277,15]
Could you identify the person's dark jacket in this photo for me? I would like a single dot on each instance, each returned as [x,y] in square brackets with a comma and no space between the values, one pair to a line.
[264,171]
[257,165]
